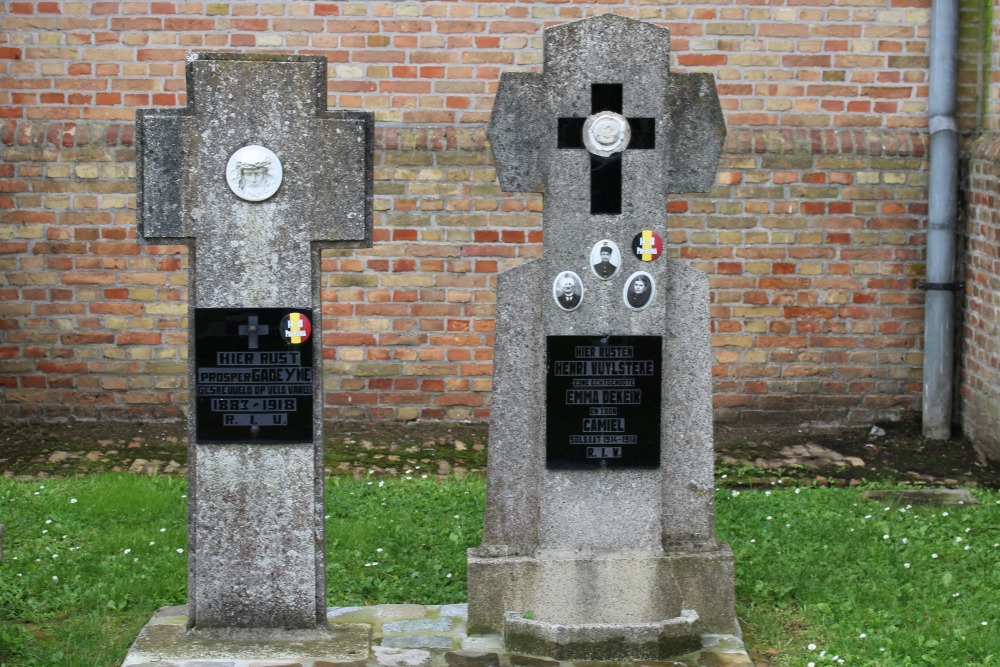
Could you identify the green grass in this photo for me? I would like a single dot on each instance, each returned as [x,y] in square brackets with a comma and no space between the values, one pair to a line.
[814,567]
[824,576]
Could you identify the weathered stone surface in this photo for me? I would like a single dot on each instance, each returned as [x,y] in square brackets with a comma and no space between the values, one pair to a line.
[172,621]
[472,659]
[394,657]
[165,638]
[418,625]
[518,660]
[418,641]
[391,612]
[256,537]
[599,641]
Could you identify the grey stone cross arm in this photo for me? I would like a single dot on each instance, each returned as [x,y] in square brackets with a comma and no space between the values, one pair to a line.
[255,157]
[586,63]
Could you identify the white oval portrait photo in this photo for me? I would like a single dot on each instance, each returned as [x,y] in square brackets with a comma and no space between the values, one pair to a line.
[605,258]
[567,290]
[639,290]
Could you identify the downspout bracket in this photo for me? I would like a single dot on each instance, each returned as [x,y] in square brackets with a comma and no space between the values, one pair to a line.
[946,287]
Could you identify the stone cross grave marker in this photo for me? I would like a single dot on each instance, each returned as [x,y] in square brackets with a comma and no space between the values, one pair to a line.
[256,176]
[599,540]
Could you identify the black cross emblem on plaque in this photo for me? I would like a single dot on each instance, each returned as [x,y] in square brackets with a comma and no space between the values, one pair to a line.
[606,172]
[251,330]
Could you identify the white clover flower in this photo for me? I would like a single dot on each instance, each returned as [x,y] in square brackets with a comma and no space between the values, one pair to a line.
[767,493]
[811,647]
[769,518]
[862,635]
[127,551]
[868,516]
[906,565]
[735,493]
[180,551]
[381,483]
[724,477]
[44,531]
[448,575]
[379,550]
[934,555]
[55,555]
[944,514]
[906,540]
[798,491]
[72,501]
[958,539]
[163,530]
[55,578]
[886,536]
[967,548]
[983,623]
[48,521]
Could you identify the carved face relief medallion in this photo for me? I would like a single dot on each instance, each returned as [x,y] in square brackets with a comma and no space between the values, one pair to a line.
[638,291]
[254,173]
[605,258]
[606,133]
[567,290]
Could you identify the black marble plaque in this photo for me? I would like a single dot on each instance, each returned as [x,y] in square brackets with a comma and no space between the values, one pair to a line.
[253,375]
[603,401]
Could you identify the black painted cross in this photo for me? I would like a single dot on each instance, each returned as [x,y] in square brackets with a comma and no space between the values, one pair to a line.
[252,330]
[675,120]
[255,176]
[606,171]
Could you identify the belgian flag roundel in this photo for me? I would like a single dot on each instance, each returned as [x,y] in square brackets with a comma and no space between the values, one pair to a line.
[647,245]
[295,328]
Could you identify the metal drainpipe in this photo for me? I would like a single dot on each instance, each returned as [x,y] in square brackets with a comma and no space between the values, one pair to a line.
[939,326]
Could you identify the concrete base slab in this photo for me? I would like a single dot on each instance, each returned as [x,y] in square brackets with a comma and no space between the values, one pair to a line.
[603,641]
[165,641]
[380,636]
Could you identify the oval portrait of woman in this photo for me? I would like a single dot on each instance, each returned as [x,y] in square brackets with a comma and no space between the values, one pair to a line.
[639,290]
[567,290]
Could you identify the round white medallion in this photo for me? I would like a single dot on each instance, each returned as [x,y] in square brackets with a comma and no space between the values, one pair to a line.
[254,173]
[606,133]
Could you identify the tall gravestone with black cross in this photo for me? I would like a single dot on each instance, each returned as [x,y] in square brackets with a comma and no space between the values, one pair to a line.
[256,176]
[600,539]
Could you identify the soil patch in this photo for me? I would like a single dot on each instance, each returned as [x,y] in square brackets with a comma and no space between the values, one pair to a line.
[746,455]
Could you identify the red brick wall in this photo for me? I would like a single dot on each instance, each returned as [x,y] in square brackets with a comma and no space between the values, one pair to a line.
[980,381]
[813,237]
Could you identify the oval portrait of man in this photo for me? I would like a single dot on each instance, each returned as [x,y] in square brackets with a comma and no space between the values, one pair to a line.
[605,258]
[567,289]
[639,290]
